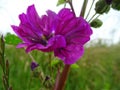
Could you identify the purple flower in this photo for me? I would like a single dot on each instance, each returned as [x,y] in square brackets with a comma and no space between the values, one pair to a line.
[63,33]
[34,65]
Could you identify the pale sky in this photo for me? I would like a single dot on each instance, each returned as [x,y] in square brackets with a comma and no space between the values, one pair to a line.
[10,9]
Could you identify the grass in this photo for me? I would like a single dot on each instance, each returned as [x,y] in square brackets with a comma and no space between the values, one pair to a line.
[99,69]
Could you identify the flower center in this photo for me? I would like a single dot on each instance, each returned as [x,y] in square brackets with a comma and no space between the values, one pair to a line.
[43,40]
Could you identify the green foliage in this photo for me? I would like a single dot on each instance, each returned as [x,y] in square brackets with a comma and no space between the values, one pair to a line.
[102,7]
[98,69]
[60,2]
[96,23]
[12,39]
[75,66]
[116,4]
[54,62]
[4,64]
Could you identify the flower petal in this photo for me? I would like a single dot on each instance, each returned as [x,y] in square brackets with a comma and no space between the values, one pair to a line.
[33,16]
[80,33]
[57,41]
[73,27]
[70,54]
[20,33]
[34,20]
[21,45]
[66,14]
[66,21]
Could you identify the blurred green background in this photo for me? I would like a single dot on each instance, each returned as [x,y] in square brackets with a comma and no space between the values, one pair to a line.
[98,69]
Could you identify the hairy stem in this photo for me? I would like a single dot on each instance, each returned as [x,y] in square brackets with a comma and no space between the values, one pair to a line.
[62,79]
[92,17]
[32,58]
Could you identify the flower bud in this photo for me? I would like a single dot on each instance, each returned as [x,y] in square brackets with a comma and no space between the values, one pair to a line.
[96,23]
[102,7]
[116,4]
[109,2]
[34,65]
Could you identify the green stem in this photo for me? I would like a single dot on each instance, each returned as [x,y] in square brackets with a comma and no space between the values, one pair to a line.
[2,54]
[65,4]
[71,5]
[60,84]
[50,59]
[4,81]
[98,16]
[92,17]
[32,58]
[82,13]
[29,83]
[90,9]
[4,64]
[7,73]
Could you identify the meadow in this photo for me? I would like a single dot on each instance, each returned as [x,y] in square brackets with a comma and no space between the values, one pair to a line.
[98,69]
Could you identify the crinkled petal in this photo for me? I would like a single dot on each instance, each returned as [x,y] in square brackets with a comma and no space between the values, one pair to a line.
[35,47]
[80,33]
[66,14]
[34,18]
[57,41]
[66,21]
[29,22]
[20,33]
[70,54]
[25,36]
[23,18]
[53,21]
[75,29]
[50,22]
[21,45]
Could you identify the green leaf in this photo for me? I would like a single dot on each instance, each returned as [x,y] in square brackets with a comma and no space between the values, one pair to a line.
[60,2]
[96,23]
[74,66]
[55,62]
[12,39]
